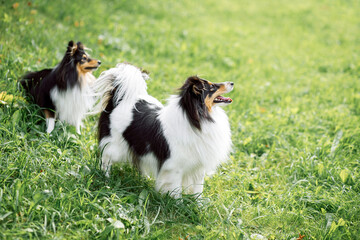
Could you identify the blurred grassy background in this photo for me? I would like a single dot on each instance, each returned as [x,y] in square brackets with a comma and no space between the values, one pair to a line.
[295,119]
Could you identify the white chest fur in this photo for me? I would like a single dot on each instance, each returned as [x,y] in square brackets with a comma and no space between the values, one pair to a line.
[73,103]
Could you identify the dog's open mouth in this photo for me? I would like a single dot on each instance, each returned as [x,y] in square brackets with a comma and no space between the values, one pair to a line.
[91,68]
[221,99]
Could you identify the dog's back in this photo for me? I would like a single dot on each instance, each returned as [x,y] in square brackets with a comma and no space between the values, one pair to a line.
[31,82]
[120,85]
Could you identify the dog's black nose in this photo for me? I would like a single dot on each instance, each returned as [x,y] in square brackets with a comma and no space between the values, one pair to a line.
[231,83]
[99,62]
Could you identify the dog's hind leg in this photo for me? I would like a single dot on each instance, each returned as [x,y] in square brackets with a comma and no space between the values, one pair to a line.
[106,165]
[106,160]
[112,152]
[50,120]
[105,156]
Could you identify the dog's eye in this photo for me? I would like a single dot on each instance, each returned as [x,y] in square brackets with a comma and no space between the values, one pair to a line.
[212,88]
[84,58]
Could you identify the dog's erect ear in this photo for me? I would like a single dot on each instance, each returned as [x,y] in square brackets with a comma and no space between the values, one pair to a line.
[196,84]
[71,48]
[80,45]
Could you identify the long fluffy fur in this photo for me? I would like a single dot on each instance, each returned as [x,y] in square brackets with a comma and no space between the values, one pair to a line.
[65,89]
[178,147]
[127,81]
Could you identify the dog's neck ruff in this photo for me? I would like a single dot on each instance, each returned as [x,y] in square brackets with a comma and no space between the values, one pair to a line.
[211,145]
[74,102]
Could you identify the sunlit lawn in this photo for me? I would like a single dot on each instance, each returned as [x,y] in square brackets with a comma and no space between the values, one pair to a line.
[295,119]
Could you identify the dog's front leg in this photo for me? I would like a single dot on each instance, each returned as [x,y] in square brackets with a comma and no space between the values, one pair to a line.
[78,126]
[50,120]
[169,181]
[198,183]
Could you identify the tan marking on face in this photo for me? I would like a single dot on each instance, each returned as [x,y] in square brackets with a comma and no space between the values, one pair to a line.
[222,89]
[209,101]
[82,67]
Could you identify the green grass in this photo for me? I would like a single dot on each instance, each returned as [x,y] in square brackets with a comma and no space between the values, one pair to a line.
[295,168]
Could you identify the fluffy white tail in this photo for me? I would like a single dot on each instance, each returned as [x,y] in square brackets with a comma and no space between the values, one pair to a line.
[125,82]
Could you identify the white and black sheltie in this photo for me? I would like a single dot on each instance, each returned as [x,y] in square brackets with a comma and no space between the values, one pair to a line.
[177,144]
[64,91]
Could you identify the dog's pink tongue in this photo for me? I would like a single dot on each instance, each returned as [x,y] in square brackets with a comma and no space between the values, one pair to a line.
[225,99]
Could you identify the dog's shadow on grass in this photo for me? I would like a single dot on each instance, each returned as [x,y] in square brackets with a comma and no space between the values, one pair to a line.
[133,188]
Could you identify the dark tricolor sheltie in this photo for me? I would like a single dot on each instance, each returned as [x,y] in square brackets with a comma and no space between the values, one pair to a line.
[177,144]
[64,91]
